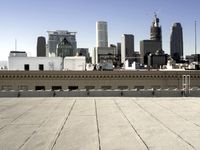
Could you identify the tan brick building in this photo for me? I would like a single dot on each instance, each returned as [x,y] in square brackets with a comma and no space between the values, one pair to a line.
[36,80]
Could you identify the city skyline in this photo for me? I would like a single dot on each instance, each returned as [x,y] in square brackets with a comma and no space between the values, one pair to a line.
[24,21]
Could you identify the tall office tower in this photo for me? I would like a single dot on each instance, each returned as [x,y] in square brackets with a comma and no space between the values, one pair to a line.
[56,37]
[127,47]
[119,49]
[156,31]
[176,42]
[101,34]
[154,44]
[41,46]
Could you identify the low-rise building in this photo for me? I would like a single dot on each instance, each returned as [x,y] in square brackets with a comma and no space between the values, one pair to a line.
[34,63]
[21,62]
[75,63]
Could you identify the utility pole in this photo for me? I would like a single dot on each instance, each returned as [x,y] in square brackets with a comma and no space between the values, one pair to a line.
[15,44]
[195,25]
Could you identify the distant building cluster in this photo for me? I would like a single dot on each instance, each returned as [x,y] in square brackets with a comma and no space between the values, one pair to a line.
[60,52]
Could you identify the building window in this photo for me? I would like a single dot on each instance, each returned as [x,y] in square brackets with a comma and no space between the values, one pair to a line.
[6,87]
[72,88]
[41,67]
[56,88]
[105,87]
[156,87]
[122,87]
[39,88]
[139,87]
[26,67]
[23,87]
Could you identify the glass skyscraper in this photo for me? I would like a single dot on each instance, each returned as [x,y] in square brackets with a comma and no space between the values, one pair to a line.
[56,37]
[176,42]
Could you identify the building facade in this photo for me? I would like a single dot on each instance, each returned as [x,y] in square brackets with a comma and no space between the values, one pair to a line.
[32,80]
[127,47]
[147,47]
[56,37]
[20,62]
[176,42]
[34,63]
[84,52]
[104,54]
[65,48]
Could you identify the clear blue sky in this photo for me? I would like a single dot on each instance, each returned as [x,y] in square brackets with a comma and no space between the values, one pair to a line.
[25,20]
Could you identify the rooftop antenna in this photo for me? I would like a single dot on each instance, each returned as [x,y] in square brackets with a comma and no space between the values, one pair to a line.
[195,25]
[155,14]
[156,21]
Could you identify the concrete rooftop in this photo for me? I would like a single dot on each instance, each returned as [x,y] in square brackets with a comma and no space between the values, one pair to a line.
[99,123]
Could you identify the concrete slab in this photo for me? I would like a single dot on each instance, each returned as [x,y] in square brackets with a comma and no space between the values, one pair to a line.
[96,123]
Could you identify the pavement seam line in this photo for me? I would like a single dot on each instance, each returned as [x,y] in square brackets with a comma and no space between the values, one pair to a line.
[131,125]
[20,115]
[59,133]
[164,125]
[97,122]
[26,140]
[177,114]
[35,131]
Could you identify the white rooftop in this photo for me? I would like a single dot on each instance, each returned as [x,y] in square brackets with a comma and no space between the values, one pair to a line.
[100,123]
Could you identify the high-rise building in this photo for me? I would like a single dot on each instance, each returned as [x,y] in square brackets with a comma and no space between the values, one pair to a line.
[41,46]
[56,37]
[119,49]
[101,34]
[176,42]
[156,31]
[127,47]
[152,45]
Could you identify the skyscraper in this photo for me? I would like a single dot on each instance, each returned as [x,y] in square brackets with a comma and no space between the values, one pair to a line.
[127,47]
[56,37]
[41,46]
[154,44]
[156,31]
[119,49]
[101,34]
[176,42]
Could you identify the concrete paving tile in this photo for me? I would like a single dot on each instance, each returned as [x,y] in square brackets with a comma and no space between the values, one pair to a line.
[100,123]
[13,137]
[84,108]
[38,114]
[19,109]
[174,123]
[80,130]
[155,135]
[45,136]
[79,133]
[115,131]
[183,110]
[4,122]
